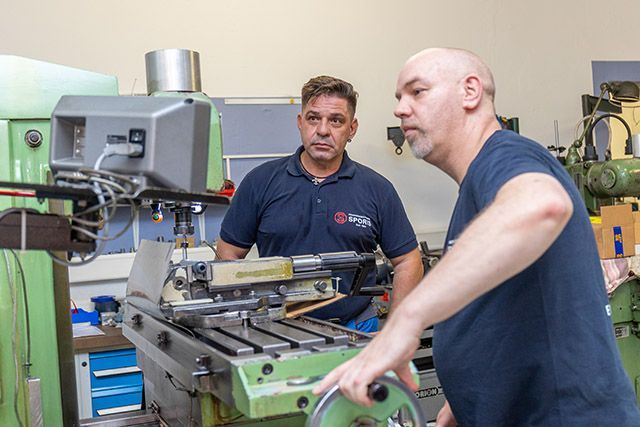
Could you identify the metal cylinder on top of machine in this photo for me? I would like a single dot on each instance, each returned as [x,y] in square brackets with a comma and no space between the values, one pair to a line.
[176,72]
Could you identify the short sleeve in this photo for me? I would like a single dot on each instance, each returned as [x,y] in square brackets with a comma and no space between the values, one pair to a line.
[396,233]
[501,163]
[240,224]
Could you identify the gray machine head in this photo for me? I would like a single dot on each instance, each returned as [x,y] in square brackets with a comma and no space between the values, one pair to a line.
[173,134]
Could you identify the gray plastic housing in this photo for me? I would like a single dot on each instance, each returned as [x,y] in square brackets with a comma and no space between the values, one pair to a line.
[176,138]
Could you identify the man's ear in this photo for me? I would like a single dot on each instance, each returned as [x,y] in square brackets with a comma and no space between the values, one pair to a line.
[472,92]
[299,121]
[354,128]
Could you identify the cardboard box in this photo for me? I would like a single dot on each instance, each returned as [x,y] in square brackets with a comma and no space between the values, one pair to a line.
[597,232]
[618,232]
[636,229]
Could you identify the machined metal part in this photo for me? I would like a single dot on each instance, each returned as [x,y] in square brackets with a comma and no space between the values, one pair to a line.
[232,318]
[178,355]
[182,219]
[218,329]
[335,333]
[214,293]
[296,337]
[148,193]
[173,70]
[262,342]
[33,138]
[137,418]
[230,347]
[35,402]
[225,343]
[392,395]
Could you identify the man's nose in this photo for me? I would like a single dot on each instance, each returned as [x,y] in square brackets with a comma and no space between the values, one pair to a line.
[323,127]
[402,109]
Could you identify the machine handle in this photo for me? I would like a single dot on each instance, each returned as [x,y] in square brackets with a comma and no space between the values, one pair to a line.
[367,265]
[118,410]
[116,371]
[378,392]
[372,291]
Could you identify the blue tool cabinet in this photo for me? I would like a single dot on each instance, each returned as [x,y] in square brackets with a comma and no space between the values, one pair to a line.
[110,380]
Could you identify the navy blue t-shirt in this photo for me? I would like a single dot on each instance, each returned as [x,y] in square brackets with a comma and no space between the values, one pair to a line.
[539,349]
[278,207]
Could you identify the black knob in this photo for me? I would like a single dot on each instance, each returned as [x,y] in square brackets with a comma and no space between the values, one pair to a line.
[199,268]
[378,392]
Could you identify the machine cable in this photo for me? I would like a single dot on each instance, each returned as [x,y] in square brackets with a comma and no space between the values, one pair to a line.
[14,318]
[111,189]
[192,394]
[215,252]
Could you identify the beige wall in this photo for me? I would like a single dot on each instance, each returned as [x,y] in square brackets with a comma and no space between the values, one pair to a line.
[540,53]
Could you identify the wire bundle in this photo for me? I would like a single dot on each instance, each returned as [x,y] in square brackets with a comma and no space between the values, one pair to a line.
[112,190]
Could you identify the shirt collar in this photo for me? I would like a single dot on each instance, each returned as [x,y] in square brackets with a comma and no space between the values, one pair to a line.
[347,168]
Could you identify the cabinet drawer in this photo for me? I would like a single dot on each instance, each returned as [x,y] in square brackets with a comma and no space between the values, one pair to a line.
[116,400]
[129,376]
[112,359]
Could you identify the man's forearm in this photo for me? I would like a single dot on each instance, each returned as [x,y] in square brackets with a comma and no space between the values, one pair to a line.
[516,229]
[407,273]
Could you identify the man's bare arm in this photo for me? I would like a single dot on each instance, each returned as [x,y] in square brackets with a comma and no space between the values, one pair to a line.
[228,251]
[407,273]
[527,215]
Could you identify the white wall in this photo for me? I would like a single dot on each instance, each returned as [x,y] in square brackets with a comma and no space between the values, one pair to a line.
[540,53]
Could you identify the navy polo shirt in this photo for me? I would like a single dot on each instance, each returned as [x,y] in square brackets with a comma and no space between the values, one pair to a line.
[280,209]
[539,349]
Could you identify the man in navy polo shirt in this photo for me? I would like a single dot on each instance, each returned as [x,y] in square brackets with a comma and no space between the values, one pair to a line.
[523,334]
[319,200]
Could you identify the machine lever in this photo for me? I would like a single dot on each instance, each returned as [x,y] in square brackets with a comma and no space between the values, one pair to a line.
[367,265]
[372,291]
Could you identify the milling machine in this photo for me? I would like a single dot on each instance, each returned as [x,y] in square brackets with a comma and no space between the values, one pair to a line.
[217,346]
[218,342]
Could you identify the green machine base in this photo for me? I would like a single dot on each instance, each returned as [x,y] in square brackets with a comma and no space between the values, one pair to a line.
[625,306]
[29,90]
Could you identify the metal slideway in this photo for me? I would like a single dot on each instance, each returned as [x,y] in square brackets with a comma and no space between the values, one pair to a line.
[138,418]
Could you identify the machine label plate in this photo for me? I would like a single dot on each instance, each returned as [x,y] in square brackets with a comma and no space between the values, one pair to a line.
[429,392]
[622,331]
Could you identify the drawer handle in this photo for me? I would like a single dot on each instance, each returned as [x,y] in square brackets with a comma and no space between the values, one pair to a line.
[117,371]
[118,410]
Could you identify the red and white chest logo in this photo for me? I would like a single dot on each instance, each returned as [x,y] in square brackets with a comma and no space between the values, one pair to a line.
[357,220]
[340,217]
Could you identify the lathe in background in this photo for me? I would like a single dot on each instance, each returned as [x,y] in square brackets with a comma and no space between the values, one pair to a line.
[610,180]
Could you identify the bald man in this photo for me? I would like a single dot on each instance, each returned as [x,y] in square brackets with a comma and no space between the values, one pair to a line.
[523,334]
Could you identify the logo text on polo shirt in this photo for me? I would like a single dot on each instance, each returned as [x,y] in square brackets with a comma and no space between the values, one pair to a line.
[357,220]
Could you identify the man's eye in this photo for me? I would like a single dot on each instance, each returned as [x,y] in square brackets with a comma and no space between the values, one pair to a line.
[417,92]
[337,121]
[312,118]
